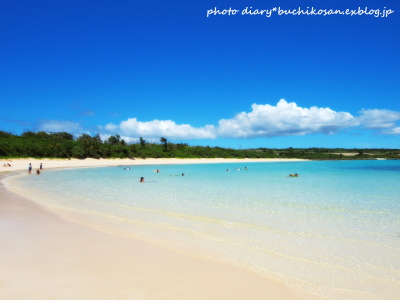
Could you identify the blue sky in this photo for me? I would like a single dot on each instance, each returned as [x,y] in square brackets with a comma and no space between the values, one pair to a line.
[163,68]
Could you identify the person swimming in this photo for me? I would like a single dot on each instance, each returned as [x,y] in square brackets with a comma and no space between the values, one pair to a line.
[141,179]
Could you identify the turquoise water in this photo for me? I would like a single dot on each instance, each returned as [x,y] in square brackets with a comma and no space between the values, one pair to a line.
[333,232]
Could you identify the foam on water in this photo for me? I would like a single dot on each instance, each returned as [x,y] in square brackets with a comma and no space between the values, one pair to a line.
[332,232]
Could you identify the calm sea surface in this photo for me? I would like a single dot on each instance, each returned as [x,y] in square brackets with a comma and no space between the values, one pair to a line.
[333,232]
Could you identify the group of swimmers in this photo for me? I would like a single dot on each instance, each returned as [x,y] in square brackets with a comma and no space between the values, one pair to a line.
[236,169]
[183,174]
[38,171]
[155,171]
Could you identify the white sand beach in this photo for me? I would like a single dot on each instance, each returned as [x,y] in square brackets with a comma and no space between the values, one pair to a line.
[22,164]
[43,256]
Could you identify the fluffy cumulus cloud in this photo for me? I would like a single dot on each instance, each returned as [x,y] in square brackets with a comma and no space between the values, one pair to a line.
[379,119]
[284,119]
[165,128]
[58,126]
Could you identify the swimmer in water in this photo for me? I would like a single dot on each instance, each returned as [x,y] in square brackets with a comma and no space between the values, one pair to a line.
[141,179]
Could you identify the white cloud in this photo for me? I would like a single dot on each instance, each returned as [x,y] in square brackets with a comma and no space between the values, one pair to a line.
[162,128]
[58,126]
[395,131]
[111,127]
[284,119]
[378,118]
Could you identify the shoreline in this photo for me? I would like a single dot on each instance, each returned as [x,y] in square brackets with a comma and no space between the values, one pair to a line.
[18,164]
[48,257]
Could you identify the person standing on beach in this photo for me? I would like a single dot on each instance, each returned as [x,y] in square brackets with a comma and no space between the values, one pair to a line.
[41,167]
[29,168]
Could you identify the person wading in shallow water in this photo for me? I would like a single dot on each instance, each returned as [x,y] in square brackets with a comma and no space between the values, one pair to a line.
[30,168]
[141,179]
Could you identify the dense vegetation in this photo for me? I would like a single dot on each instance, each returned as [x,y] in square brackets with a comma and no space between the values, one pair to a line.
[64,145]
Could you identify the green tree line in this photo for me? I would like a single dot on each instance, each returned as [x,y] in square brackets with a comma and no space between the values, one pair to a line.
[64,145]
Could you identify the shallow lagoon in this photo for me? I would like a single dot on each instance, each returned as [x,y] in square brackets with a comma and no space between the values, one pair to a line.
[332,232]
